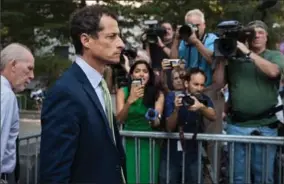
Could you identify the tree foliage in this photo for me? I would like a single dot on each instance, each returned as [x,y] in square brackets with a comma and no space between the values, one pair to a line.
[20,18]
[50,68]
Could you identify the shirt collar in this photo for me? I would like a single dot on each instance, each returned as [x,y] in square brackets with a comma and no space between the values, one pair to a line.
[5,82]
[93,75]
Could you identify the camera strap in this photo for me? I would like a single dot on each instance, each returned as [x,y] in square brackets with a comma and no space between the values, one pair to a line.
[199,56]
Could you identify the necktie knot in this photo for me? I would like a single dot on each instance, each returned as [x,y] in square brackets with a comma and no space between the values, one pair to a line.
[104,85]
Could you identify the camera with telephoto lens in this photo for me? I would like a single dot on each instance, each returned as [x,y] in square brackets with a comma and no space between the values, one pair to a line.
[119,73]
[188,101]
[154,31]
[230,32]
[186,31]
[130,52]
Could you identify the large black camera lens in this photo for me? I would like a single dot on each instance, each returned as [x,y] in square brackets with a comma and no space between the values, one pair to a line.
[185,31]
[227,46]
[187,101]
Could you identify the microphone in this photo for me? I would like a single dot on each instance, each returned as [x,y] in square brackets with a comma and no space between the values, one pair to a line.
[266,4]
[151,114]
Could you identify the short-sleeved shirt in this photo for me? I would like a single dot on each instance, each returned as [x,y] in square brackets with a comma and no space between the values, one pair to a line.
[251,90]
[194,59]
[190,123]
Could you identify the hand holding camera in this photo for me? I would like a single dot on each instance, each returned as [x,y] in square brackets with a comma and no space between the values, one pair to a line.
[196,106]
[178,100]
[189,101]
[160,43]
[189,33]
[168,64]
[242,47]
[136,92]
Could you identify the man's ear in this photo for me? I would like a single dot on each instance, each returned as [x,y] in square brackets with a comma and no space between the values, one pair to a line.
[13,64]
[85,40]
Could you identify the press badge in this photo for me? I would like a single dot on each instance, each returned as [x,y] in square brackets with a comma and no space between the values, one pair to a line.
[179,148]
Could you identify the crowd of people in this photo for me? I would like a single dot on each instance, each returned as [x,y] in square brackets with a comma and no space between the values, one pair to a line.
[173,85]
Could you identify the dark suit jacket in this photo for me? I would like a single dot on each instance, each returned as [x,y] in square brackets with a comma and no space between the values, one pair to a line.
[77,145]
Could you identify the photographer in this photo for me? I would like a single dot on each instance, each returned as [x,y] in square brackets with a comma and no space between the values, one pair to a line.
[185,117]
[253,82]
[162,49]
[196,48]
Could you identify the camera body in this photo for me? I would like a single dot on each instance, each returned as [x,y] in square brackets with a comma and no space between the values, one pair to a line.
[154,31]
[230,32]
[136,82]
[186,31]
[188,101]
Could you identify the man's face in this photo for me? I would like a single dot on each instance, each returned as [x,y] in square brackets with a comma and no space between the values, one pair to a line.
[107,46]
[196,83]
[169,35]
[177,81]
[260,39]
[22,73]
[196,20]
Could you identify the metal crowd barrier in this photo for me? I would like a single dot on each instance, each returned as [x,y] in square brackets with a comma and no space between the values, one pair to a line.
[29,154]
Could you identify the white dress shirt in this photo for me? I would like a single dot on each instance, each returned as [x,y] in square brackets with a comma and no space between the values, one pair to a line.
[9,127]
[94,78]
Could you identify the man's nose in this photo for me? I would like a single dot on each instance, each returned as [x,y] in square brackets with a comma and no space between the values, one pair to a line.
[120,44]
[31,75]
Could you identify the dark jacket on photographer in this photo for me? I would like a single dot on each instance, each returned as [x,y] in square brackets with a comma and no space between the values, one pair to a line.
[157,54]
[190,122]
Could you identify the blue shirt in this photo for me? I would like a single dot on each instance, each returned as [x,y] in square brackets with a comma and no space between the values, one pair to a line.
[94,78]
[188,119]
[9,127]
[191,55]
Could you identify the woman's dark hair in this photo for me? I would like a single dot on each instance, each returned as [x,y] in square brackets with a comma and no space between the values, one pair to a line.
[152,91]
[87,20]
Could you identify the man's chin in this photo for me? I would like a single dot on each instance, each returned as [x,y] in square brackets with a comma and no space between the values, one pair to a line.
[19,89]
[113,61]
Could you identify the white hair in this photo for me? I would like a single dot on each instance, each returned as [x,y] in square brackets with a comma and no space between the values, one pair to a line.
[196,12]
[13,51]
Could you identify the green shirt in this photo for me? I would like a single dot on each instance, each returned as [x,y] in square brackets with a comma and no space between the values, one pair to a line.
[251,90]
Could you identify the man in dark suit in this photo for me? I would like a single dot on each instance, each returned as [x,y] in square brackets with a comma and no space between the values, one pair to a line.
[80,142]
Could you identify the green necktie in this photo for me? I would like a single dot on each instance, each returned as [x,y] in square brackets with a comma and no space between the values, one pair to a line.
[108,104]
[109,113]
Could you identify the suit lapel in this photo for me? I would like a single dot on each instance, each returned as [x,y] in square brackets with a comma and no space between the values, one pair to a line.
[93,96]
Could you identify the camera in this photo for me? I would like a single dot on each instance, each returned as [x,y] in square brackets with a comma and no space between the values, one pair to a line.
[136,82]
[154,31]
[186,31]
[230,32]
[188,101]
[129,51]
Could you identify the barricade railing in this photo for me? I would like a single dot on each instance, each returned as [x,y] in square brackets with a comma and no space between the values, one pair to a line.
[29,156]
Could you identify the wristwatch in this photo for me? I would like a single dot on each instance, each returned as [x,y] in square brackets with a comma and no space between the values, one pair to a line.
[248,54]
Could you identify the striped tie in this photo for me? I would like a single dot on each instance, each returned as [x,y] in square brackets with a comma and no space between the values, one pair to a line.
[109,113]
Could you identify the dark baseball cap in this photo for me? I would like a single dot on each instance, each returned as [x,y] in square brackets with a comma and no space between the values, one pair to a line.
[258,23]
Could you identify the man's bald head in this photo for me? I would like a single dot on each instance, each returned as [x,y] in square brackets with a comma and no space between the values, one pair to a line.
[14,51]
[17,65]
